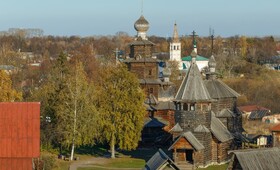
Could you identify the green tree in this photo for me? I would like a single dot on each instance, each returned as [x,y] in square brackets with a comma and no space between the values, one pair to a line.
[7,93]
[121,107]
[67,99]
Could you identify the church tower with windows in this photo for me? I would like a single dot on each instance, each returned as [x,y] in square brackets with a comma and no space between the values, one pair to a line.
[175,48]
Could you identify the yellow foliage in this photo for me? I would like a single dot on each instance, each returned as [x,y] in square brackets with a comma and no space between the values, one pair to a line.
[7,93]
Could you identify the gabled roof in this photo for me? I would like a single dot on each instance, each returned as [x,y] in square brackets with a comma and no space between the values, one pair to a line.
[241,137]
[250,108]
[252,159]
[153,122]
[275,128]
[192,87]
[158,161]
[225,113]
[219,130]
[176,128]
[198,58]
[190,138]
[201,128]
[258,114]
[218,89]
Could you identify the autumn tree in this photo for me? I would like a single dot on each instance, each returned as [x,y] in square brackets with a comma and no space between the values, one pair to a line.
[176,76]
[7,93]
[67,104]
[121,107]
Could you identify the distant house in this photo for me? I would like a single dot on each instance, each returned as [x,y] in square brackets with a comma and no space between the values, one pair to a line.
[260,140]
[275,118]
[8,68]
[253,159]
[275,130]
[253,112]
[160,161]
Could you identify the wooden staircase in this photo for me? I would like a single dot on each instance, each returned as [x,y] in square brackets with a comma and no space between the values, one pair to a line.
[183,165]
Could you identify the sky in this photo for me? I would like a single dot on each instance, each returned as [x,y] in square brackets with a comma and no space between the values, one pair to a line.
[107,17]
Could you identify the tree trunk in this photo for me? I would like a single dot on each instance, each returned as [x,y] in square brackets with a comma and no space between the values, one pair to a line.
[112,146]
[72,151]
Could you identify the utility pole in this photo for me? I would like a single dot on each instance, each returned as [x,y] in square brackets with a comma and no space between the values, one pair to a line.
[211,32]
[117,55]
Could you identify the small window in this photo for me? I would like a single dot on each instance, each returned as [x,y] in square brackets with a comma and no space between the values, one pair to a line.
[150,72]
[192,107]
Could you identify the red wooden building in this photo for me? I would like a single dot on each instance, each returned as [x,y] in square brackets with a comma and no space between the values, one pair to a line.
[19,135]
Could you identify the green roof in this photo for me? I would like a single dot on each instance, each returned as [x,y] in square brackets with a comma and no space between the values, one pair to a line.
[198,58]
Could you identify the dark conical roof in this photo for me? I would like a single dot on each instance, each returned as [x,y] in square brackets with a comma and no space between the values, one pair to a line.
[192,87]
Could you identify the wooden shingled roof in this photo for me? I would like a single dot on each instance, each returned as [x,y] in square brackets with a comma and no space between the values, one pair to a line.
[193,87]
[159,161]
[219,130]
[225,113]
[258,159]
[191,139]
[218,89]
[176,128]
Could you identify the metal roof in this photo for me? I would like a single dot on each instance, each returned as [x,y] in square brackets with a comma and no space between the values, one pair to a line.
[219,130]
[190,138]
[258,159]
[198,58]
[258,114]
[192,87]
[158,161]
[218,89]
[250,108]
[20,130]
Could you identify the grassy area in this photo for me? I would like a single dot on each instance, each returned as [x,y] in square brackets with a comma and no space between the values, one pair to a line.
[121,163]
[215,167]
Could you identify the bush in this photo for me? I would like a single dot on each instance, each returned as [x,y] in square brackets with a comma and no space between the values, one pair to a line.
[48,161]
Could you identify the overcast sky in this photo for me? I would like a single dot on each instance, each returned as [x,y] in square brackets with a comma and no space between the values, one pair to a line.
[106,17]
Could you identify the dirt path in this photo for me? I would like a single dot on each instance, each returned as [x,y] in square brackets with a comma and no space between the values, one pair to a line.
[97,161]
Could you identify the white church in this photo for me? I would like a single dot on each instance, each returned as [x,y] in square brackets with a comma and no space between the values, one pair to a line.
[184,62]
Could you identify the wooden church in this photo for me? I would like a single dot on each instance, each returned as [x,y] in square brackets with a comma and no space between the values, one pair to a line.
[205,118]
[201,117]
[158,90]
